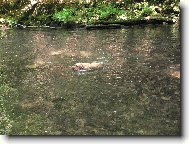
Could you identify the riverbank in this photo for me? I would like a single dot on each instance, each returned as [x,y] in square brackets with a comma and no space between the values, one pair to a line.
[102,14]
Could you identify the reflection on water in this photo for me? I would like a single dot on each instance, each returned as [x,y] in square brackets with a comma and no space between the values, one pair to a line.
[135,92]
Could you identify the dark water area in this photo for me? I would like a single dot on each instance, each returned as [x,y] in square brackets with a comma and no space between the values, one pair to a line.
[136,91]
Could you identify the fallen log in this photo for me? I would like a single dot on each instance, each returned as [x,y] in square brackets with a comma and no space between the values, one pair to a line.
[101,26]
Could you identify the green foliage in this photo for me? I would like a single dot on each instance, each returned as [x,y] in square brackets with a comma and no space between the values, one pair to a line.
[65,16]
[88,15]
[143,9]
[87,12]
[11,21]
[146,11]
[44,19]
[107,12]
[43,13]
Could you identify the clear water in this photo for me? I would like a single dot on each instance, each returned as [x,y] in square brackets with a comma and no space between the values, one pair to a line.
[137,92]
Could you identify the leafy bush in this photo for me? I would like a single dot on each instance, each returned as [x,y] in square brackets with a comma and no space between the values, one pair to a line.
[65,16]
[10,21]
[146,11]
[88,14]
[142,9]
[106,12]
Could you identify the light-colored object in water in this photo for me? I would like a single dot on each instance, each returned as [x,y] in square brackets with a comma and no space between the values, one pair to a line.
[87,66]
[174,71]
[53,53]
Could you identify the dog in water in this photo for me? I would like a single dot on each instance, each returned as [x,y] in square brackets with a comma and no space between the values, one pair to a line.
[87,66]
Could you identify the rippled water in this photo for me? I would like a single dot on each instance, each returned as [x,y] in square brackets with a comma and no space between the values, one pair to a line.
[135,92]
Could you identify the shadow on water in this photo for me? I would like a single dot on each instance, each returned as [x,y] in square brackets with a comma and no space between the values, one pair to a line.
[137,92]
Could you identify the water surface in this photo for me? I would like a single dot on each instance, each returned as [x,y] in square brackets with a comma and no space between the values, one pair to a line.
[137,92]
